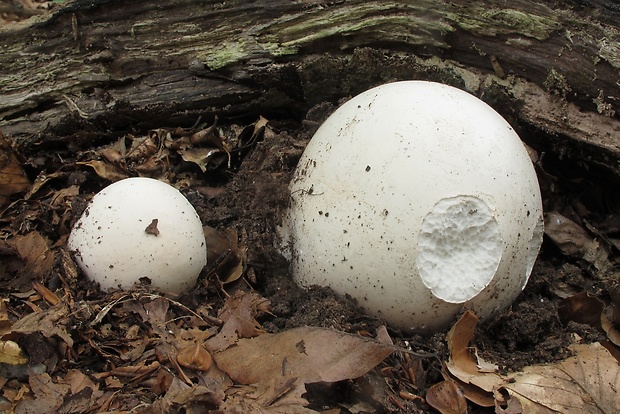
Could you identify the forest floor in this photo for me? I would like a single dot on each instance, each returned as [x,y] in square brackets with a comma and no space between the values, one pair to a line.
[247,339]
[69,346]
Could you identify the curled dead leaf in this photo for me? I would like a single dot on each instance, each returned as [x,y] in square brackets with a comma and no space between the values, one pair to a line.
[587,382]
[462,363]
[581,308]
[48,322]
[195,356]
[104,170]
[225,257]
[202,157]
[48,395]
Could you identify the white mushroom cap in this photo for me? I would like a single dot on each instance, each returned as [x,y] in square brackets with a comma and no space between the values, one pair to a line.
[140,227]
[418,200]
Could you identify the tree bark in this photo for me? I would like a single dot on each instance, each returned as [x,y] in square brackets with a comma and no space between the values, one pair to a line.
[92,70]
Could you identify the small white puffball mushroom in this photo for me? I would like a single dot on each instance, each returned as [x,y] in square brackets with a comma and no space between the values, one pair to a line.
[418,200]
[140,227]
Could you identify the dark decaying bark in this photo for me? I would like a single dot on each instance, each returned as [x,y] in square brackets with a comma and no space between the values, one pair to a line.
[91,70]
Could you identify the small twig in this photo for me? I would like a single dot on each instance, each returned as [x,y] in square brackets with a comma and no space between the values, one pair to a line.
[73,106]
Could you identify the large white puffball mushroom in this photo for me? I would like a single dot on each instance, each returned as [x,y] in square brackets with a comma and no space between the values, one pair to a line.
[140,227]
[418,200]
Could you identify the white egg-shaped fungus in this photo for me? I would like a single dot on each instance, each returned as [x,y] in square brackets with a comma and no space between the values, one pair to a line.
[418,200]
[136,228]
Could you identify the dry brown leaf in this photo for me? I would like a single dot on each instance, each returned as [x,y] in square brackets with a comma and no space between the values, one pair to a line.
[202,157]
[33,249]
[475,394]
[153,309]
[615,300]
[13,179]
[67,265]
[280,396]
[135,349]
[45,293]
[610,319]
[77,382]
[447,398]
[143,148]
[570,238]
[40,182]
[588,382]
[225,257]
[49,322]
[5,323]
[104,170]
[48,395]
[135,371]
[252,133]
[462,363]
[309,354]
[610,326]
[195,356]
[239,313]
[115,152]
[113,383]
[575,241]
[194,399]
[581,308]
[513,406]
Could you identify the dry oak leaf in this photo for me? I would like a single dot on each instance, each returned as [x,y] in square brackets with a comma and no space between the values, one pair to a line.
[308,354]
[588,382]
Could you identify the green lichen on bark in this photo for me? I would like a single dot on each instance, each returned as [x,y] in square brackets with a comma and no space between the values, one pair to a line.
[359,23]
[505,21]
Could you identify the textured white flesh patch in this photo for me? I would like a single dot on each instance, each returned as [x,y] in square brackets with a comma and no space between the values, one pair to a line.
[459,248]
[533,247]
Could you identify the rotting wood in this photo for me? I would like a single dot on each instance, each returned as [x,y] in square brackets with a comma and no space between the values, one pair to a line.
[97,69]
